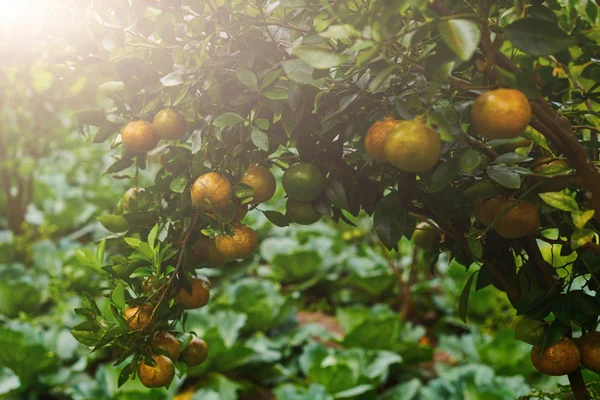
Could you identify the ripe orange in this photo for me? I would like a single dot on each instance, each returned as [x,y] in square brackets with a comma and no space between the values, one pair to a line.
[501,114]
[169,124]
[138,318]
[303,182]
[165,341]
[262,181]
[561,358]
[375,138]
[205,250]
[412,146]
[211,189]
[130,195]
[302,213]
[195,353]
[158,375]
[426,236]
[241,244]
[521,219]
[139,137]
[197,298]
[589,347]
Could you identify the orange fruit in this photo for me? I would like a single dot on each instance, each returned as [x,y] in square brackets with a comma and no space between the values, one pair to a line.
[165,341]
[521,218]
[130,195]
[303,182]
[262,181]
[589,348]
[426,236]
[158,375]
[138,318]
[197,298]
[139,137]
[561,358]
[241,244]
[195,353]
[412,146]
[211,190]
[302,213]
[375,138]
[501,114]
[205,250]
[169,124]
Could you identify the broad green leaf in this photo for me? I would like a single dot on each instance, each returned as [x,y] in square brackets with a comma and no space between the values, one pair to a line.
[319,58]
[376,83]
[152,236]
[463,304]
[504,175]
[300,72]
[114,223]
[179,184]
[118,295]
[560,201]
[390,220]
[172,79]
[581,237]
[227,119]
[91,116]
[461,36]
[260,139]
[344,31]
[276,94]
[581,218]
[511,158]
[247,77]
[537,37]
[276,218]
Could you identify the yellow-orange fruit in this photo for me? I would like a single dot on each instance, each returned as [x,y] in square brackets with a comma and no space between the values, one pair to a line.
[561,358]
[158,375]
[412,146]
[169,124]
[375,138]
[241,244]
[589,347]
[138,137]
[520,219]
[262,181]
[138,318]
[195,353]
[501,114]
[197,298]
[211,189]
[205,250]
[426,236]
[485,209]
[167,342]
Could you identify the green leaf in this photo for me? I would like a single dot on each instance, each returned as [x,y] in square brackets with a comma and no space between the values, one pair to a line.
[504,175]
[247,77]
[319,58]
[172,79]
[560,201]
[152,236]
[511,158]
[529,330]
[120,165]
[380,78]
[270,78]
[537,37]
[581,218]
[300,72]
[390,220]
[461,35]
[242,191]
[118,295]
[276,94]
[276,218]
[179,184]
[344,31]
[91,116]
[227,119]
[114,223]
[260,139]
[463,304]
[581,237]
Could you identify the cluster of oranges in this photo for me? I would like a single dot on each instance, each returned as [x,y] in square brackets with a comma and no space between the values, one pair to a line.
[413,146]
[564,357]
[166,347]
[141,136]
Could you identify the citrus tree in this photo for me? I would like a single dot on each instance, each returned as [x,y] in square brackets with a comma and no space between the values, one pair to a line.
[471,126]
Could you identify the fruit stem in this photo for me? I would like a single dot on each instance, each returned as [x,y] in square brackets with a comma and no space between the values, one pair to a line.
[578,385]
